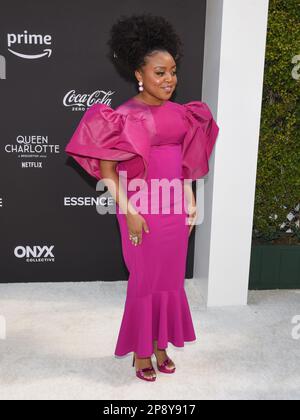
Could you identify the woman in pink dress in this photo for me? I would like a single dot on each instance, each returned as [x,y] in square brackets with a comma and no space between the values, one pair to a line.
[149,139]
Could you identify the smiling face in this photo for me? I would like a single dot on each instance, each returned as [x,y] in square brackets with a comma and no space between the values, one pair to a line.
[158,76]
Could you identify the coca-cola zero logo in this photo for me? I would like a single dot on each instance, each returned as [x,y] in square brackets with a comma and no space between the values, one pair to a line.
[82,101]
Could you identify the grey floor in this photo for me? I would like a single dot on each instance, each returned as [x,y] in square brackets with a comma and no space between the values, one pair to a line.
[60,339]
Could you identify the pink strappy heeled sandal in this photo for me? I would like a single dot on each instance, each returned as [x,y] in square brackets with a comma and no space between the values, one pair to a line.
[163,368]
[140,372]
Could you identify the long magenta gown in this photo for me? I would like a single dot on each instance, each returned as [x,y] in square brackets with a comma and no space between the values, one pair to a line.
[151,142]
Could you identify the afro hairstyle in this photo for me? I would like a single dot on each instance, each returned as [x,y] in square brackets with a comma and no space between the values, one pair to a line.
[137,36]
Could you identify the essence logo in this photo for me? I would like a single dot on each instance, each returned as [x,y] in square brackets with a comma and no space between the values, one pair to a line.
[2,67]
[35,253]
[296,329]
[88,201]
[15,40]
[2,328]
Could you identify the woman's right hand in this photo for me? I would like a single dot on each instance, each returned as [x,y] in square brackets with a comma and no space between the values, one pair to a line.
[136,223]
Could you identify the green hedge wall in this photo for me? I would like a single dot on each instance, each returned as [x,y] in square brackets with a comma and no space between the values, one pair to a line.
[278,170]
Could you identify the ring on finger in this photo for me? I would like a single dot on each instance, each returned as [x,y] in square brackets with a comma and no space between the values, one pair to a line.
[134,238]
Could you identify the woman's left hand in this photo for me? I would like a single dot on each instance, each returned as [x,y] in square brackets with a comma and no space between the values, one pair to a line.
[191,208]
[192,218]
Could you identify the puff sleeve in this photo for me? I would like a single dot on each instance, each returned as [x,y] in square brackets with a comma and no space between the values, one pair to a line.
[199,140]
[104,133]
